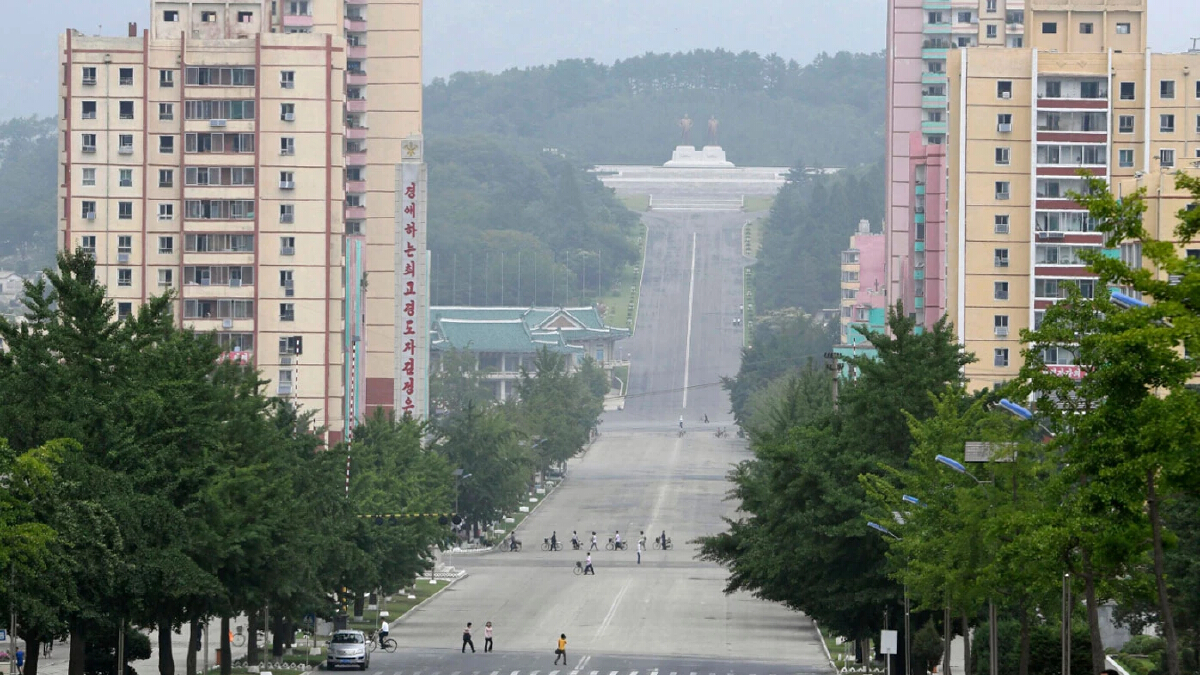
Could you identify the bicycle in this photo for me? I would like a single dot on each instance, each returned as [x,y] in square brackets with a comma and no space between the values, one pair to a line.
[681,433]
[546,546]
[578,568]
[658,543]
[513,546]
[388,644]
[239,638]
[614,546]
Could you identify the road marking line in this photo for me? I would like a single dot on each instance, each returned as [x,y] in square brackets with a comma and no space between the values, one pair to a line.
[687,350]
[495,672]
[612,611]
[554,672]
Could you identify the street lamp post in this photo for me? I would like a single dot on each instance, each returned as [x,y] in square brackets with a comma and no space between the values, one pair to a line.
[907,633]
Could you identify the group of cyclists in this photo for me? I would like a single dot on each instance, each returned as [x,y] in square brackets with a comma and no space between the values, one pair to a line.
[615,543]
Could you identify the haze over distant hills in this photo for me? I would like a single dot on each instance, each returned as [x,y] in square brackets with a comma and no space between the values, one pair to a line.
[486,35]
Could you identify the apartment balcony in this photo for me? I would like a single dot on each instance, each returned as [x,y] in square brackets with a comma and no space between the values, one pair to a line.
[356,105]
[355,25]
[933,78]
[937,29]
[934,127]
[356,51]
[356,133]
[356,158]
[937,102]
[934,52]
[356,77]
[356,212]
[297,21]
[936,5]
[356,187]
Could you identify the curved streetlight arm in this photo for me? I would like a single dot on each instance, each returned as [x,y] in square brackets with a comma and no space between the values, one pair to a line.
[958,466]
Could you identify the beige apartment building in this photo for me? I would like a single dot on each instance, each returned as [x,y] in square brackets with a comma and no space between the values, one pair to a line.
[222,154]
[1023,124]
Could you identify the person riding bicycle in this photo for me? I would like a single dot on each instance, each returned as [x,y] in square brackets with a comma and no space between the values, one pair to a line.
[383,632]
[512,541]
[554,540]
[681,422]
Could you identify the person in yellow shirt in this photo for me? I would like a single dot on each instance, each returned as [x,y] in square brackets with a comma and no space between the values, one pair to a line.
[561,652]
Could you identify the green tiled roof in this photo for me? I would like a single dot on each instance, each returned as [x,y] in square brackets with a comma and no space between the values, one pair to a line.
[510,336]
[574,323]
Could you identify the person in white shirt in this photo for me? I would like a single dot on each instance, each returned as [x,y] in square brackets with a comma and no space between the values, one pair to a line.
[594,546]
[383,631]
[618,544]
[639,551]
[587,568]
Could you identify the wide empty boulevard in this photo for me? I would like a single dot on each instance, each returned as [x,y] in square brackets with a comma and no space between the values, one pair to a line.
[667,616]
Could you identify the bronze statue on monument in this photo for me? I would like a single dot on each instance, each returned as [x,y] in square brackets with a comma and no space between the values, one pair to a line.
[686,125]
[712,130]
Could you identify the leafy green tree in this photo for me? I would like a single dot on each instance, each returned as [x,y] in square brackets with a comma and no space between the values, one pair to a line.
[485,443]
[457,383]
[557,408]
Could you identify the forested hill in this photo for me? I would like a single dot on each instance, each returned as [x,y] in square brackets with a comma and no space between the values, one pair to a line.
[771,111]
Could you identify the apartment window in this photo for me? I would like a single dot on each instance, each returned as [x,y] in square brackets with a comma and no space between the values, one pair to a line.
[1090,89]
[89,75]
[1166,89]
[1002,156]
[126,77]
[1004,123]
[354,227]
[88,244]
[88,142]
[1004,89]
[992,30]
[286,278]
[287,246]
[287,112]
[1125,158]
[166,144]
[1123,29]
[1054,89]
[1128,91]
[125,177]
[1000,322]
[124,310]
[125,210]
[964,17]
[126,110]
[166,178]
[1000,257]
[170,15]
[245,17]
[1125,124]
[166,245]
[1166,124]
[202,176]
[88,209]
[935,66]
[89,110]
[287,79]
[1198,124]
[166,211]
[991,5]
[125,144]
[287,311]
[125,244]
[1049,28]
[287,145]
[287,180]
[287,213]
[89,177]
[218,243]
[219,77]
[219,110]
[166,78]
[208,17]
[1086,28]
[166,112]
[1001,224]
[283,384]
[219,209]
[1198,89]
[1166,158]
[1001,358]
[1002,189]
[1000,290]
[124,277]
[166,277]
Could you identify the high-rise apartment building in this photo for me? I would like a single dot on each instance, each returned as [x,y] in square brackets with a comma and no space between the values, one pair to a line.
[1025,123]
[222,154]
[863,297]
[922,35]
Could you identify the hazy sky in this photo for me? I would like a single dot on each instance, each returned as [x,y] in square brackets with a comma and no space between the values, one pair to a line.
[497,34]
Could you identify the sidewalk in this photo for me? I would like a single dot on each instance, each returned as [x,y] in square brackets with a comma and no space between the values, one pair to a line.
[58,661]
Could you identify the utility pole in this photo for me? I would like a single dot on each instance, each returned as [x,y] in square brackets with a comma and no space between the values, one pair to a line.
[833,366]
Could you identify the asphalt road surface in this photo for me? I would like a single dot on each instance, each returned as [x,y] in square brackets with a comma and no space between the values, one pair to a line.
[667,615]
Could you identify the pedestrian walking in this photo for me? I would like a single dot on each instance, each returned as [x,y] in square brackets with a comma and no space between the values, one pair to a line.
[487,637]
[594,547]
[20,659]
[640,547]
[467,639]
[561,652]
[587,567]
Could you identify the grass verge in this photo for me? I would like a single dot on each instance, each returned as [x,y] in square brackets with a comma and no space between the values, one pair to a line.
[751,203]
[748,305]
[620,308]
[639,203]
[401,603]
[622,374]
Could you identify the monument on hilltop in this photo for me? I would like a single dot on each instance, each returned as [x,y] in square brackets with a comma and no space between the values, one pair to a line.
[686,156]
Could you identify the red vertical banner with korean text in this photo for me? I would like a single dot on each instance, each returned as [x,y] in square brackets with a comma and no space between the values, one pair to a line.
[412,287]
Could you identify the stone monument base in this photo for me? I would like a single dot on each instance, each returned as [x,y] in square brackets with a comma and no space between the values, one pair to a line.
[687,157]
